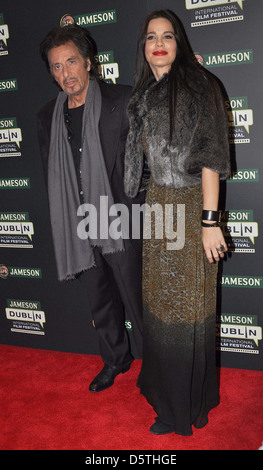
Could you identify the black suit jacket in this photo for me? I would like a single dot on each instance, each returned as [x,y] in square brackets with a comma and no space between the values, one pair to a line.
[113,127]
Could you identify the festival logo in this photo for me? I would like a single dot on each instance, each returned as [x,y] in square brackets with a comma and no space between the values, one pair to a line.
[238,333]
[26,316]
[108,68]
[96,19]
[240,118]
[209,12]
[10,138]
[239,230]
[4,35]
[16,230]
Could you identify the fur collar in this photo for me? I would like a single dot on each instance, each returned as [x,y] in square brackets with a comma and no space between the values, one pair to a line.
[200,137]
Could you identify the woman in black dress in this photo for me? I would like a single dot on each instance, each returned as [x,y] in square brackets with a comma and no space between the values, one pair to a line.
[179,130]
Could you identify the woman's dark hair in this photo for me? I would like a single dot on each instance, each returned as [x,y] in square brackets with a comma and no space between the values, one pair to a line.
[79,36]
[185,69]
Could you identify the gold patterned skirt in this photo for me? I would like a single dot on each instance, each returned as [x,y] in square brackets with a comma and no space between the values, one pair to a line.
[178,375]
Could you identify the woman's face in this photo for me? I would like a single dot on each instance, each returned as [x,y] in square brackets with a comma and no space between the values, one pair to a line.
[160,46]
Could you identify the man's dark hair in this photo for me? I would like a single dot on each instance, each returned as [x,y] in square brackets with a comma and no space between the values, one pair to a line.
[79,36]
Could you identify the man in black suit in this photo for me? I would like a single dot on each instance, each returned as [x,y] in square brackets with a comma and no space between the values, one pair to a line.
[82,137]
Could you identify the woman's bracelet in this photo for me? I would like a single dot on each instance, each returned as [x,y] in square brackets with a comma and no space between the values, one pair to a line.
[210,215]
[214,224]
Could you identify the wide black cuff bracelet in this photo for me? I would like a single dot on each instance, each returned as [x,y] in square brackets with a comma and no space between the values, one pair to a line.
[210,215]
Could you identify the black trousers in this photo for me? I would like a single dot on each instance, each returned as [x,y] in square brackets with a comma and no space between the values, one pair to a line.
[115,294]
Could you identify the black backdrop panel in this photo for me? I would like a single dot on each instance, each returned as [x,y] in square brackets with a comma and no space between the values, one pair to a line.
[35,309]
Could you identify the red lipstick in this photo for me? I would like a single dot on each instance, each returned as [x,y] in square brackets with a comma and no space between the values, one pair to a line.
[160,53]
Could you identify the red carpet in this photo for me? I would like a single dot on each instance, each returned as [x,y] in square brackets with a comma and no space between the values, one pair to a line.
[46,405]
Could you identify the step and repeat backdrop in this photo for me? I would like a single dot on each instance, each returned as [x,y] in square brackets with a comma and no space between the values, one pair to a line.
[35,309]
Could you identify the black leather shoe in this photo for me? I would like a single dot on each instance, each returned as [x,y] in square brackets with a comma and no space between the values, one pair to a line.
[106,377]
[161,428]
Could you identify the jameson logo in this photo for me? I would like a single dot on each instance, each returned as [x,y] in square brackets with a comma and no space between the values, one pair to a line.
[4,35]
[16,230]
[238,333]
[244,175]
[239,230]
[242,281]
[5,272]
[128,325]
[9,84]
[228,58]
[14,183]
[105,57]
[240,118]
[32,273]
[26,316]
[209,12]
[98,18]
[108,68]
[10,138]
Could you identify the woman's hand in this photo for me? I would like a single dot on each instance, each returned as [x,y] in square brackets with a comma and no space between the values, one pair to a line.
[214,243]
[213,240]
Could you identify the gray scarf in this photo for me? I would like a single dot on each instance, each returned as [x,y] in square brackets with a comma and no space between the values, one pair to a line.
[74,254]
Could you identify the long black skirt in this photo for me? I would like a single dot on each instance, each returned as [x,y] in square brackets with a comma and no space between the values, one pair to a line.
[178,375]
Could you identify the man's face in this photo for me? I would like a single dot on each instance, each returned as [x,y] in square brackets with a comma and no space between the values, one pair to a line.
[70,70]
